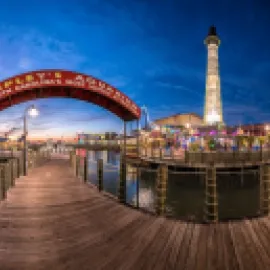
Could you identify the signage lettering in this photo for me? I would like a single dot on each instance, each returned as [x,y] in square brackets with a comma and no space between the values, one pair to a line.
[8,83]
[29,78]
[18,80]
[66,78]
[57,75]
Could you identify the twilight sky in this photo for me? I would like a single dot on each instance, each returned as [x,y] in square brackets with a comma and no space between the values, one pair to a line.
[152,50]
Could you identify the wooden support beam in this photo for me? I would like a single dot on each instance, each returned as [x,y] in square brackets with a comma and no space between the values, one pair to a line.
[264,189]
[100,174]
[211,199]
[161,189]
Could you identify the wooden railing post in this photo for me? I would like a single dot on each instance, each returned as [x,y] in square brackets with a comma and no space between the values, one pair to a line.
[138,187]
[100,174]
[7,180]
[161,189]
[70,157]
[77,163]
[122,180]
[74,164]
[211,199]
[12,175]
[85,170]
[264,188]
[2,183]
[160,153]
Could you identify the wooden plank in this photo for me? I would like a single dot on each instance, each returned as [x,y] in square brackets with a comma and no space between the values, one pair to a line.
[212,249]
[229,249]
[193,248]
[60,223]
[201,256]
[155,255]
[168,247]
[123,243]
[183,253]
[142,244]
[238,246]
[263,235]
[176,247]
[259,255]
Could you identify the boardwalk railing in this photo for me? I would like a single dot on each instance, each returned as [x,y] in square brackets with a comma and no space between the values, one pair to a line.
[200,157]
[126,173]
[11,167]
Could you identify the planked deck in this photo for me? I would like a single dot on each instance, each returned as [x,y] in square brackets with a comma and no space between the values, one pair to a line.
[51,220]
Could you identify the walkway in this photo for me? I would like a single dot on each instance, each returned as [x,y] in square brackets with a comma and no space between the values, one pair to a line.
[51,220]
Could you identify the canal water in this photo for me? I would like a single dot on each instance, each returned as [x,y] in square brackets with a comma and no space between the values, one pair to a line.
[238,196]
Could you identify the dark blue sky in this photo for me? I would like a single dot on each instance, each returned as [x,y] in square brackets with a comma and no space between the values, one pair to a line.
[151,50]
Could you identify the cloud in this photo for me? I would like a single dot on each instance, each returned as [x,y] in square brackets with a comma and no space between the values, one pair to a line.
[171,86]
[30,50]
[25,63]
[116,81]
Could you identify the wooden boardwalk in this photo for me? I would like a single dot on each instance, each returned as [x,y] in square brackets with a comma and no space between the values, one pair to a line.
[51,220]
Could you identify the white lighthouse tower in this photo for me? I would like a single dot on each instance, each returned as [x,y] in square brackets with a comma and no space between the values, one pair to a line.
[213,105]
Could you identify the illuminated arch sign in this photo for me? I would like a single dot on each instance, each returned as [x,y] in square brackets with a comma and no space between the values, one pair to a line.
[61,83]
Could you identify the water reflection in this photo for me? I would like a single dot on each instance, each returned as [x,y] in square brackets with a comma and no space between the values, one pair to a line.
[185,195]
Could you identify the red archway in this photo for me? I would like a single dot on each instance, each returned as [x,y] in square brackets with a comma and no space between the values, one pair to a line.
[62,83]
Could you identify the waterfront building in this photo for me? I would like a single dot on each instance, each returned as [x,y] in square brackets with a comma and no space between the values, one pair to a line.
[180,120]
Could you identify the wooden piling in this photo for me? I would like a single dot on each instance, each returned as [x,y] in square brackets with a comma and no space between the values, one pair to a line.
[264,188]
[138,170]
[100,174]
[17,160]
[77,160]
[70,158]
[85,170]
[2,183]
[122,180]
[160,153]
[6,175]
[211,199]
[12,175]
[161,189]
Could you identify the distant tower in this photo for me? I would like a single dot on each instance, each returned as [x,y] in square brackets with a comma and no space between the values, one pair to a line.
[213,105]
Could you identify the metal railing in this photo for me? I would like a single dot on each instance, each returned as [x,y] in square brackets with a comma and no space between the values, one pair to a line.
[150,188]
[202,157]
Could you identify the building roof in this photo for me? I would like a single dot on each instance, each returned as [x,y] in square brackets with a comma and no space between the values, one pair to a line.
[178,114]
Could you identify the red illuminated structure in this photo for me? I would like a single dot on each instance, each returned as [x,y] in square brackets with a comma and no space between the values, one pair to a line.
[62,83]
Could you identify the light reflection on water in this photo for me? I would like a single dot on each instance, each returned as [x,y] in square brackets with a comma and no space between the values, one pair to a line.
[185,196]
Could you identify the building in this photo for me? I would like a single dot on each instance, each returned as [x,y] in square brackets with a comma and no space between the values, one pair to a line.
[181,120]
[213,104]
[110,135]
[86,138]
[260,129]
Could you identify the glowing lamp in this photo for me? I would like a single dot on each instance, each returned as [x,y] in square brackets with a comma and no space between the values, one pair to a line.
[213,117]
[33,111]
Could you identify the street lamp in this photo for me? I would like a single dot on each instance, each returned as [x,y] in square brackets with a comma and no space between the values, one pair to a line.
[33,112]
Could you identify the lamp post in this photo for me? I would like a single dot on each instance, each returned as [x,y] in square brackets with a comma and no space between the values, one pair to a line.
[33,112]
[267,128]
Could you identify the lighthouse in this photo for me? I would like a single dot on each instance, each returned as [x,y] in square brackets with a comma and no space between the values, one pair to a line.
[213,104]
